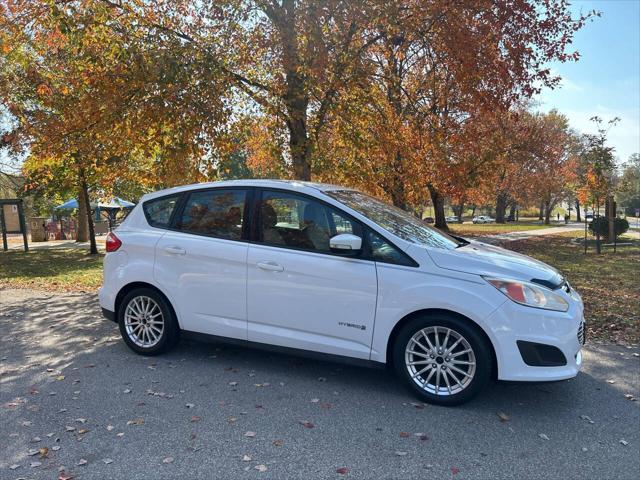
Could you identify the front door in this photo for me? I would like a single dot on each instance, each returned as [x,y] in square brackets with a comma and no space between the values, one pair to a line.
[202,261]
[299,293]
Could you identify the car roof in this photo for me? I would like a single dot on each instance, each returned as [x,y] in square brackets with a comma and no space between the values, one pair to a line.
[294,185]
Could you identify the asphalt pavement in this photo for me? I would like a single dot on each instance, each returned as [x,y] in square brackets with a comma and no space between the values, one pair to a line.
[74,399]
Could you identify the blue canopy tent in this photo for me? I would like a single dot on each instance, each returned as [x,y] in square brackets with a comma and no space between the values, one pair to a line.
[115,203]
[111,206]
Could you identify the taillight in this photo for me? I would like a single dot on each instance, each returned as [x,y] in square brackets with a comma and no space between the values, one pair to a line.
[112,243]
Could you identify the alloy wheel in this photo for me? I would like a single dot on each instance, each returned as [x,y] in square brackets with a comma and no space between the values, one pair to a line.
[440,361]
[143,321]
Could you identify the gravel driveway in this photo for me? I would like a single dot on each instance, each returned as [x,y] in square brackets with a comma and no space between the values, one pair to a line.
[74,398]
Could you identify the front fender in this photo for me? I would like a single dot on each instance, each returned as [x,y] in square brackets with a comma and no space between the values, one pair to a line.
[403,291]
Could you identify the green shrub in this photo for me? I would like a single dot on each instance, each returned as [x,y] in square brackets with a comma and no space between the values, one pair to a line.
[600,225]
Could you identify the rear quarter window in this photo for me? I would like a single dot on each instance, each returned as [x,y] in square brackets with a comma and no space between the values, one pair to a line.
[159,210]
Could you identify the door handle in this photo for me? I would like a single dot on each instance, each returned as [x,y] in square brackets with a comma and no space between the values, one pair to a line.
[175,250]
[271,266]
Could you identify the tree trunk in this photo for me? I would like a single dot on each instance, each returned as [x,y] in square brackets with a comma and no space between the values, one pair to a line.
[548,207]
[295,97]
[578,219]
[460,211]
[512,212]
[83,226]
[501,207]
[398,193]
[541,214]
[473,211]
[92,233]
[438,207]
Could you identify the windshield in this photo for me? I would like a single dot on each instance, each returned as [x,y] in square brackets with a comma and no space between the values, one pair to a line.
[402,224]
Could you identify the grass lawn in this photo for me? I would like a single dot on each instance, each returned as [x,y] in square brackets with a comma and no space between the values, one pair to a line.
[495,228]
[51,269]
[608,282]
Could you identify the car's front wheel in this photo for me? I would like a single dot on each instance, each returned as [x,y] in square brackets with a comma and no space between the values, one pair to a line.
[442,358]
[147,322]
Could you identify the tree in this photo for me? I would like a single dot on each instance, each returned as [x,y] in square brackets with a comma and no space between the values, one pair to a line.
[435,68]
[598,161]
[628,191]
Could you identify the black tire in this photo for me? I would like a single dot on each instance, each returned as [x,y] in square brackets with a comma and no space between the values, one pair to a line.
[170,332]
[479,345]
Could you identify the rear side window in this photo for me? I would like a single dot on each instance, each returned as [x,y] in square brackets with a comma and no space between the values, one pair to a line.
[217,213]
[158,211]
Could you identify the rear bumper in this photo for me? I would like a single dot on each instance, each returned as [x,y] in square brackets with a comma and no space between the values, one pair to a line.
[109,315]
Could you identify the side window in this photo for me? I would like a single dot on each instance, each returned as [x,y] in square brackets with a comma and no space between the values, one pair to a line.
[296,221]
[214,212]
[383,251]
[158,211]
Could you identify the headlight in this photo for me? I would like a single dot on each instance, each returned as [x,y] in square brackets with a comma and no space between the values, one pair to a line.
[530,294]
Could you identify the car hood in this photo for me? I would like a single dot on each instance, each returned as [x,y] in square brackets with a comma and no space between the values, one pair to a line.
[488,260]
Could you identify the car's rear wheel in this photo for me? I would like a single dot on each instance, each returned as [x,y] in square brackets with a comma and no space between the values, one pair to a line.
[442,358]
[147,322]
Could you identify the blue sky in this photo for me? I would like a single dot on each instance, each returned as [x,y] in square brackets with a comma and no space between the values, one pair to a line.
[606,79]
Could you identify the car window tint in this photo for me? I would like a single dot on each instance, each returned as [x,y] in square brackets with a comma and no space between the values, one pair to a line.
[383,251]
[159,210]
[297,221]
[214,212]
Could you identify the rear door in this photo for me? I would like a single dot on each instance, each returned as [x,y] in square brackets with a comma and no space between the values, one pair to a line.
[202,259]
[300,293]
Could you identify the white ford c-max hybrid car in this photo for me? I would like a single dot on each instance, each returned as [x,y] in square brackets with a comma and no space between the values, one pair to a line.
[326,269]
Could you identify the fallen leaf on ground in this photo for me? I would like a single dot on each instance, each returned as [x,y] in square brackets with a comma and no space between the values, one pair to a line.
[306,424]
[107,461]
[543,436]
[136,421]
[455,470]
[82,431]
[82,462]
[167,460]
[250,434]
[64,475]
[624,442]
[14,466]
[246,458]
[503,417]
[44,452]
[60,377]
[342,470]
[278,443]
[315,400]
[400,453]
[404,434]
[35,464]
[195,418]
[261,468]
[189,405]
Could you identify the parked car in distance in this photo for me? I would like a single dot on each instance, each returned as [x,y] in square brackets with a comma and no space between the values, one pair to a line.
[307,267]
[483,219]
[588,217]
[429,220]
[451,219]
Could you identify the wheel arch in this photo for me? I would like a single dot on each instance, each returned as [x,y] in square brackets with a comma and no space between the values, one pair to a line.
[134,285]
[440,311]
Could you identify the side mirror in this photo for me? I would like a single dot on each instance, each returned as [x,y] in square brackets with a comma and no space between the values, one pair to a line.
[345,243]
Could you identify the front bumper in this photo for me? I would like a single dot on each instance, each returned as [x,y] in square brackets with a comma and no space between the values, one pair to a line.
[512,323]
